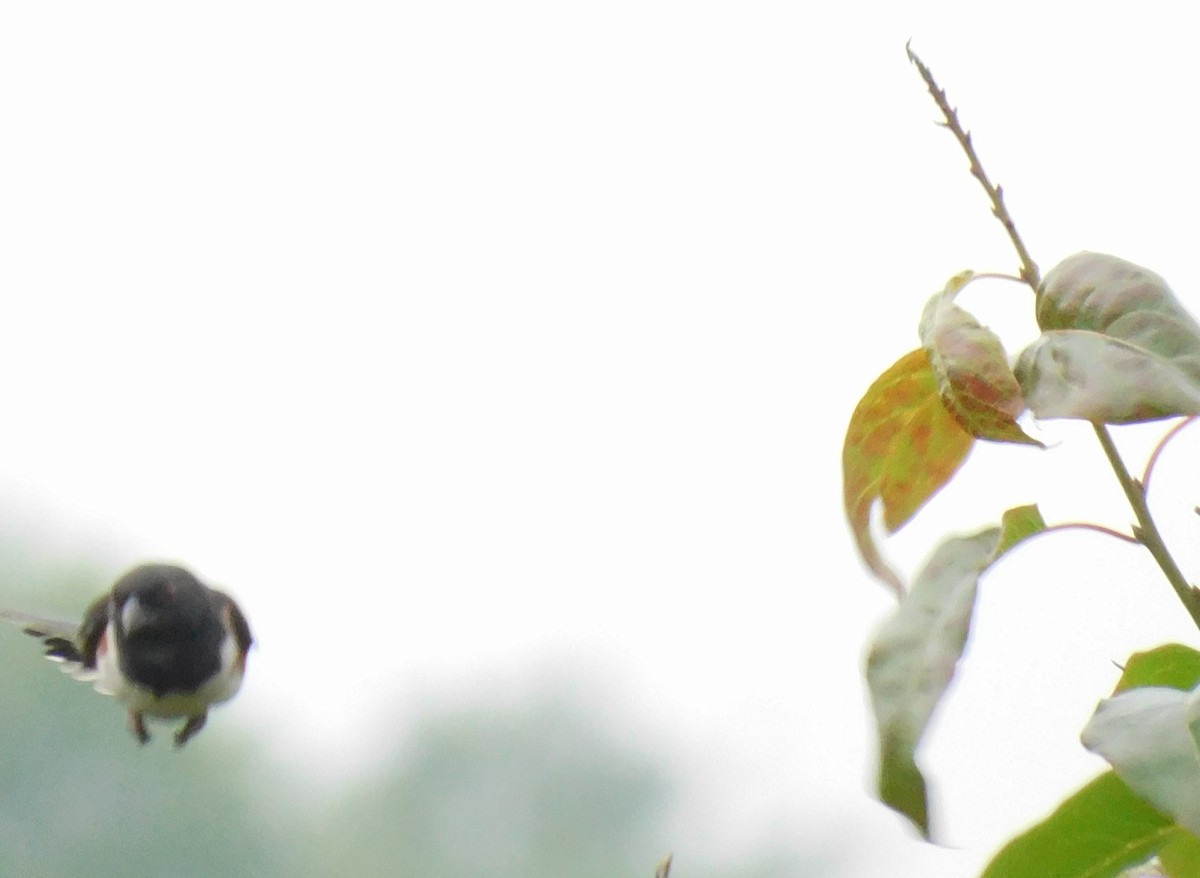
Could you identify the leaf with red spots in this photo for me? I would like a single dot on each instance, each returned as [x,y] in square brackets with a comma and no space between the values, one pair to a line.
[901,447]
[971,367]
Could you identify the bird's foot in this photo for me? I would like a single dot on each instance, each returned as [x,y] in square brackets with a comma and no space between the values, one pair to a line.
[190,728]
[137,725]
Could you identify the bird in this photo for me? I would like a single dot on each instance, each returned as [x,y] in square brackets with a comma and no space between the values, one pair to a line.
[160,641]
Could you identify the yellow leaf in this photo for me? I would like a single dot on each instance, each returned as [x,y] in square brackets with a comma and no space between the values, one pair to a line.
[901,447]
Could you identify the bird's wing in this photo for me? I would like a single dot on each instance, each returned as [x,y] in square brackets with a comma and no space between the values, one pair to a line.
[40,626]
[236,621]
[59,637]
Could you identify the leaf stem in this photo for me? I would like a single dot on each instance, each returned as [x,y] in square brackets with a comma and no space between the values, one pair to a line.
[1097,528]
[1158,450]
[995,193]
[1146,530]
[996,275]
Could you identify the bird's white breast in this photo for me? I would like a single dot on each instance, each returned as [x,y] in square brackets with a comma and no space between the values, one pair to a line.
[222,686]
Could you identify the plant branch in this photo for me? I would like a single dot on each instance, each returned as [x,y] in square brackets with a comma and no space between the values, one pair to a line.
[1146,530]
[1029,269]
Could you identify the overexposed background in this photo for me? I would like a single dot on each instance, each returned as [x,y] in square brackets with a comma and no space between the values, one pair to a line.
[471,344]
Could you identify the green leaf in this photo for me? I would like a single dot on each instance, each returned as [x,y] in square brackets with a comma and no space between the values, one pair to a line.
[1019,524]
[1096,833]
[1172,665]
[901,448]
[1180,855]
[1116,347]
[973,377]
[912,661]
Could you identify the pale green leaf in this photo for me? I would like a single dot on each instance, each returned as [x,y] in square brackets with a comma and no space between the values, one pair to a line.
[1146,735]
[1116,347]
[1092,377]
[912,661]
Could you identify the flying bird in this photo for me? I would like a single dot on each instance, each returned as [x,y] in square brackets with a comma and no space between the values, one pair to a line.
[160,641]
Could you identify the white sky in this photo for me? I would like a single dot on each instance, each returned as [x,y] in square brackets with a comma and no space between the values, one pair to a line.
[460,340]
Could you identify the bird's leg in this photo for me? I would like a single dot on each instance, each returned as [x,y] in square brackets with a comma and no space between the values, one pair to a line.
[194,724]
[137,725]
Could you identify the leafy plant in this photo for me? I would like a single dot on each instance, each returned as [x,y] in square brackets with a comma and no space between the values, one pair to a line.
[1115,347]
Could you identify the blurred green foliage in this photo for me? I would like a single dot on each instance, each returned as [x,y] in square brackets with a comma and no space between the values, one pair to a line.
[486,793]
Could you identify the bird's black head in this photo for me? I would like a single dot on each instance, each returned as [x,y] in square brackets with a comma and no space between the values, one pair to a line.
[168,628]
[160,598]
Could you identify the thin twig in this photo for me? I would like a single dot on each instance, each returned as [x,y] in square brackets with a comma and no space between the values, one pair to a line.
[1029,269]
[1146,530]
